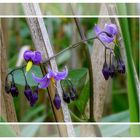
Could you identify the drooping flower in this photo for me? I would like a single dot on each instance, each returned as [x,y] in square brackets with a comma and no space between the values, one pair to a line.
[107,34]
[51,76]
[32,57]
[57,101]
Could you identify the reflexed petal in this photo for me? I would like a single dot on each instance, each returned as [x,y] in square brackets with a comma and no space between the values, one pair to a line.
[61,75]
[38,80]
[27,55]
[44,84]
[106,38]
[111,29]
[36,57]
[97,29]
[50,73]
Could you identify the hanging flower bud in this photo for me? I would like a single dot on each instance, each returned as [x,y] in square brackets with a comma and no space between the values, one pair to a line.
[66,97]
[28,92]
[121,67]
[73,93]
[105,71]
[34,97]
[112,70]
[14,90]
[57,101]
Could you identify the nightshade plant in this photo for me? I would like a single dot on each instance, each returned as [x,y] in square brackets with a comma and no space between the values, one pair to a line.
[106,35]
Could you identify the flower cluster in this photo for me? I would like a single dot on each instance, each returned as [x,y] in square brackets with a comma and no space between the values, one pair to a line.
[31,96]
[32,57]
[53,77]
[107,35]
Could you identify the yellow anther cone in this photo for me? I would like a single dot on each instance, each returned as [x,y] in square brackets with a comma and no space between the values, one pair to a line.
[29,66]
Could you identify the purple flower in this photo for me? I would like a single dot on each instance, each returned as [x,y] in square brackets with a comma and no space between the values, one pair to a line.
[110,29]
[34,56]
[51,76]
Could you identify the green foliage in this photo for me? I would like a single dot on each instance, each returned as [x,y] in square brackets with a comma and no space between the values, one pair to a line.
[6,130]
[83,99]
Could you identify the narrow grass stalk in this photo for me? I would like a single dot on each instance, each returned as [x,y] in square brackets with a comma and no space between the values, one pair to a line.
[131,80]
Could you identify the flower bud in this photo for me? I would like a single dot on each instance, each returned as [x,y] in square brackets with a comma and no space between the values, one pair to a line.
[73,93]
[105,71]
[33,99]
[28,92]
[57,101]
[112,70]
[14,90]
[66,97]
[121,67]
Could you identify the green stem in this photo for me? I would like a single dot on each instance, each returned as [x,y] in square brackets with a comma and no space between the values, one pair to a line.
[131,81]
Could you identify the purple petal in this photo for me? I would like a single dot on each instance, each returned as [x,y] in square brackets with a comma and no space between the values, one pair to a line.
[51,73]
[36,57]
[38,80]
[106,38]
[27,55]
[97,29]
[111,29]
[61,75]
[44,84]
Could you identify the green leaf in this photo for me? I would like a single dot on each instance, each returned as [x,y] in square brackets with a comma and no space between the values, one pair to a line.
[83,98]
[6,130]
[114,130]
[19,77]
[31,129]
[78,76]
[118,117]
[33,112]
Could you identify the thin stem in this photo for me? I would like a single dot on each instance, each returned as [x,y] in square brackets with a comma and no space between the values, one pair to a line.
[81,33]
[70,47]
[76,118]
[66,49]
[24,77]
[105,55]
[111,50]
